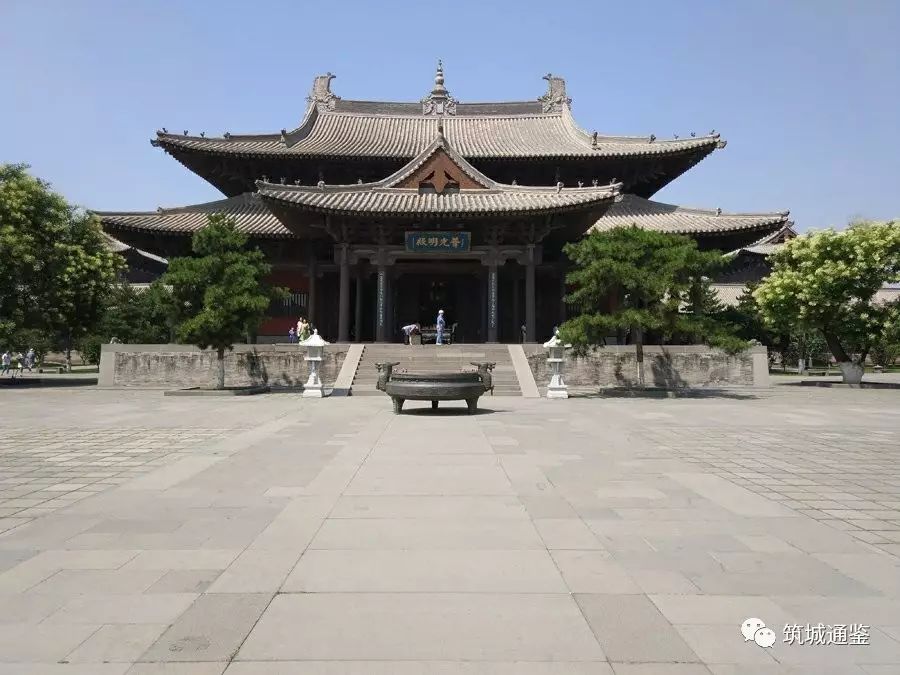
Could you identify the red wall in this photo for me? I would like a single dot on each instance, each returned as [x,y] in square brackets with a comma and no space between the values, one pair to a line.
[278,326]
[292,279]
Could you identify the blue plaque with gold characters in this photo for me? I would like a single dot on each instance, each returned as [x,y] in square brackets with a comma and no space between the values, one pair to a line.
[437,242]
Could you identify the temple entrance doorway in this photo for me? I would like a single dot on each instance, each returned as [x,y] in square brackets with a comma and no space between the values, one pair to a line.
[420,295]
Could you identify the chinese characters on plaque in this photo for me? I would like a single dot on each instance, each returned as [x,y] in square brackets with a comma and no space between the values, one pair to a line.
[437,242]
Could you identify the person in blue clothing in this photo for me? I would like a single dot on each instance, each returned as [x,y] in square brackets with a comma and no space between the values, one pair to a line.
[440,327]
[292,335]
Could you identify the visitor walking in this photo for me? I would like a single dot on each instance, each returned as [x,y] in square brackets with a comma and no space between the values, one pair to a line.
[292,336]
[6,361]
[441,323]
[29,359]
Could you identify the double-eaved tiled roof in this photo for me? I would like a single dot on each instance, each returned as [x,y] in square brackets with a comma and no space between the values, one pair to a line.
[651,215]
[769,243]
[392,195]
[333,127]
[122,248]
[248,212]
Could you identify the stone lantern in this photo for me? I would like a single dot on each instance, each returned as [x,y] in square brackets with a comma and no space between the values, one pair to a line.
[315,350]
[556,356]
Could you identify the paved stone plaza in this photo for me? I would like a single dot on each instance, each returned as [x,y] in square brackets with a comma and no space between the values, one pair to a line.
[280,536]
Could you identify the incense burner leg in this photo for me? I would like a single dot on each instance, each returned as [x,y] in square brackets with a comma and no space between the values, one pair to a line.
[398,405]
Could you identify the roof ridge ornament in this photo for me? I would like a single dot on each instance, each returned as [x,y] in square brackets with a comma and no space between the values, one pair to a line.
[555,99]
[321,94]
[439,101]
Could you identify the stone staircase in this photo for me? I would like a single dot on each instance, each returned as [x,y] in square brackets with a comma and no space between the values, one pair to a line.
[431,358]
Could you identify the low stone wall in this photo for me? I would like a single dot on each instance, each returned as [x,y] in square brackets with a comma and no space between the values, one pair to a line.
[181,366]
[671,367]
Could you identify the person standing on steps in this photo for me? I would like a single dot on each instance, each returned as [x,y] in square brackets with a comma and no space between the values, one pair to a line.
[441,323]
[303,330]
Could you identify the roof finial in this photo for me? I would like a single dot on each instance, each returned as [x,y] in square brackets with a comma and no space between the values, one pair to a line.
[439,101]
[718,211]
[439,87]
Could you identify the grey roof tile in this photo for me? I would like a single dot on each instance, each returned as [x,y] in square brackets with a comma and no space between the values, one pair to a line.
[249,213]
[651,215]
[334,127]
[770,242]
[385,197]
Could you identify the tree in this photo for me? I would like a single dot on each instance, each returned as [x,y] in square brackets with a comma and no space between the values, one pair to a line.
[58,270]
[647,279]
[218,295]
[827,281]
[886,347]
[748,325]
[130,316]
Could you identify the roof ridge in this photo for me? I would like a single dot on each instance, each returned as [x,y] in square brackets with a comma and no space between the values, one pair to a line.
[440,142]
[707,211]
[243,198]
[357,113]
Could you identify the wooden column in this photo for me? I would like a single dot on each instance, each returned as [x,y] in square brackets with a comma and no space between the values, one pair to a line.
[529,294]
[492,301]
[491,295]
[389,328]
[381,291]
[517,317]
[343,256]
[357,318]
[562,294]
[312,288]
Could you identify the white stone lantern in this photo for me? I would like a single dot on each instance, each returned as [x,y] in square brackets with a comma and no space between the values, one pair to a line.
[315,351]
[556,357]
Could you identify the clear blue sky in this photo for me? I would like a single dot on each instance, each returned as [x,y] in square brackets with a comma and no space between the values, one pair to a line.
[807,93]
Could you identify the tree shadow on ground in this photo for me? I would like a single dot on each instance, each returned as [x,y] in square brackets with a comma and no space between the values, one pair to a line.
[48,382]
[668,394]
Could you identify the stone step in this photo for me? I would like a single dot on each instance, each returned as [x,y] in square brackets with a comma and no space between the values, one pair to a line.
[431,359]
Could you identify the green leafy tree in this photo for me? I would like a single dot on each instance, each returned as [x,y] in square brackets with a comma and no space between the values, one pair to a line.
[649,281]
[749,324]
[218,295]
[804,345]
[58,270]
[826,281]
[130,316]
[886,347]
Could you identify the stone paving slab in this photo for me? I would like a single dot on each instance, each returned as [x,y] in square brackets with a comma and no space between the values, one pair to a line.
[286,536]
[426,626]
